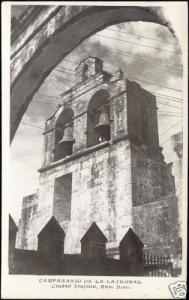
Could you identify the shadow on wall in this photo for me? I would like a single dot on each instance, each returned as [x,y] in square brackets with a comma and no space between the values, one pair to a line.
[50,259]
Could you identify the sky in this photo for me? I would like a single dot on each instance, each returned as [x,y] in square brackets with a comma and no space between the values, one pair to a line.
[144,51]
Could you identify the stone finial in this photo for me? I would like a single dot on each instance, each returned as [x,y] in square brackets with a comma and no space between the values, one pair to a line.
[12,240]
[117,75]
[12,225]
[93,243]
[131,253]
[51,240]
[120,72]
[130,245]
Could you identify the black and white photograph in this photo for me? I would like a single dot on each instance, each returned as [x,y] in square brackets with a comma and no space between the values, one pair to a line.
[94,180]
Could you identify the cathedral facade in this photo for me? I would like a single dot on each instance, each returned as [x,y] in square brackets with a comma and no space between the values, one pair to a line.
[102,163]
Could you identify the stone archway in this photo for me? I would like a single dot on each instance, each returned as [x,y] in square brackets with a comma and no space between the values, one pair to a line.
[50,35]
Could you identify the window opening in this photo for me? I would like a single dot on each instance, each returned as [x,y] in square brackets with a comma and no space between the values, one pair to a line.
[62,198]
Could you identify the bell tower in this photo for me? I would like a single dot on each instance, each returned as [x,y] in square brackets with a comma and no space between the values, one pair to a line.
[102,163]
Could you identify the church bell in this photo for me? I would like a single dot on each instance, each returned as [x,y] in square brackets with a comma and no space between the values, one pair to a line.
[103,119]
[68,134]
[103,126]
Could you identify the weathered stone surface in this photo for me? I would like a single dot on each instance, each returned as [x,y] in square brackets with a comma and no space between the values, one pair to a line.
[157,225]
[151,178]
[177,167]
[95,193]
[28,215]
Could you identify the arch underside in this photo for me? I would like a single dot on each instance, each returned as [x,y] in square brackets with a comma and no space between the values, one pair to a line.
[61,43]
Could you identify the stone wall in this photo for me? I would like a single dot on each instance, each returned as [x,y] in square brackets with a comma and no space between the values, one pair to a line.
[151,177]
[156,224]
[142,114]
[104,191]
[101,193]
[26,233]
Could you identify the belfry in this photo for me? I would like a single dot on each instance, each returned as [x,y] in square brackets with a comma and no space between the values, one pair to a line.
[102,163]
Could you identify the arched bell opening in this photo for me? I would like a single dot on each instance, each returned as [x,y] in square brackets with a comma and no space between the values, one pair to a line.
[64,134]
[98,119]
